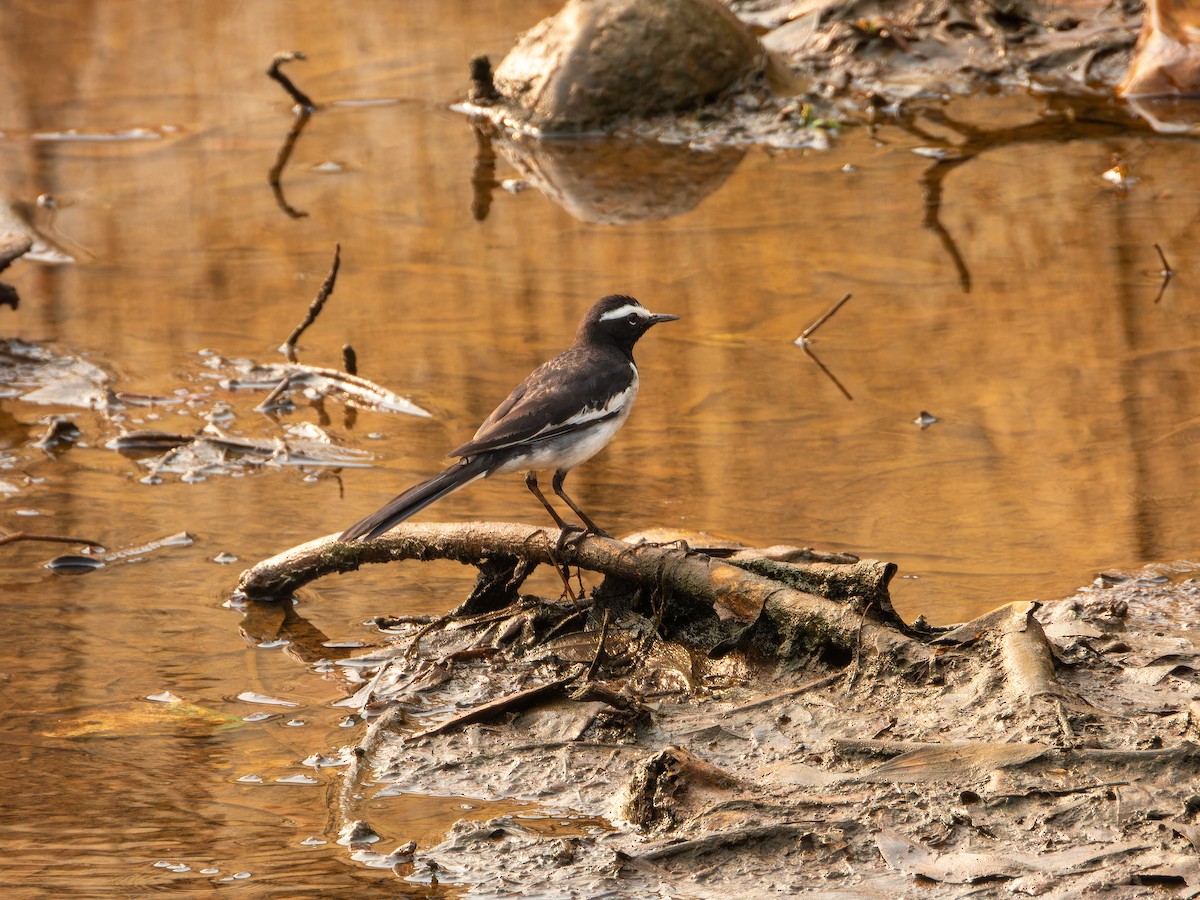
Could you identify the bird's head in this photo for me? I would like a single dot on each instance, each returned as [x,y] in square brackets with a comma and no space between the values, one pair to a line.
[620,320]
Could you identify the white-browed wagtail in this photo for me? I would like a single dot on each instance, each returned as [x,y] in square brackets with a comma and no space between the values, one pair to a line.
[564,413]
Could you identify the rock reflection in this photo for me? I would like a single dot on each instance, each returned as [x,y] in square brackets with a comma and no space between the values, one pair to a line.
[605,181]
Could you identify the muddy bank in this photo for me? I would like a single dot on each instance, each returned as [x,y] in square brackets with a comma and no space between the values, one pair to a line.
[789,72]
[906,50]
[711,746]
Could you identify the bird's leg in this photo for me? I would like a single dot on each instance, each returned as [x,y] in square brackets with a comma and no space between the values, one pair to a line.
[564,573]
[532,483]
[557,484]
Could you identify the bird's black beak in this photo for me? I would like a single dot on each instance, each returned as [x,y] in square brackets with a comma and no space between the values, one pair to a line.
[655,318]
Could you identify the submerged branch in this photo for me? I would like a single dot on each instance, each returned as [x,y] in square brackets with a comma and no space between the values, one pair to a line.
[14,537]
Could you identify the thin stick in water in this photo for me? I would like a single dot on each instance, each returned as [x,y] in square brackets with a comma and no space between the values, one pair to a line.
[803,339]
[314,309]
[1167,271]
[286,83]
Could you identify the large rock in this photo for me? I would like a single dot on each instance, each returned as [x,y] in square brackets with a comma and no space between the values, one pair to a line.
[597,60]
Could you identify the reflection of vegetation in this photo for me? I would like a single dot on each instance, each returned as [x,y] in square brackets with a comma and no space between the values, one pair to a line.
[483,176]
[974,142]
[265,622]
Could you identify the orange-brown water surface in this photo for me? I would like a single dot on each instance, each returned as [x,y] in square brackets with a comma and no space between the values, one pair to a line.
[1028,320]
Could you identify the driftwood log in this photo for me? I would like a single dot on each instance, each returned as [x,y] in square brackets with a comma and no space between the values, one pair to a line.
[839,606]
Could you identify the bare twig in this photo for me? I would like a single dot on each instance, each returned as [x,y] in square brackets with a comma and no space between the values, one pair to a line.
[350,387]
[813,685]
[1064,722]
[726,840]
[508,703]
[804,336]
[1167,271]
[302,99]
[15,536]
[314,309]
[853,669]
[599,657]
[268,402]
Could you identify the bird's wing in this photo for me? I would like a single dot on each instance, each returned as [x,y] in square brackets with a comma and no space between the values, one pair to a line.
[546,404]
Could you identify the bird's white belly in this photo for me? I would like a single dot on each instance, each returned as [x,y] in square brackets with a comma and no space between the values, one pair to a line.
[567,451]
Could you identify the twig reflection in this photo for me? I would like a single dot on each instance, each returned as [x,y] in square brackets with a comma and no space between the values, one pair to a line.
[931,187]
[303,114]
[483,174]
[828,374]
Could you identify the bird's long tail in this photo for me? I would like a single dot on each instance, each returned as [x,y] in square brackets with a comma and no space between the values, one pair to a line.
[419,496]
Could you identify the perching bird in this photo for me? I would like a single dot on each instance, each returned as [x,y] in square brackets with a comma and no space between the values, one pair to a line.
[564,413]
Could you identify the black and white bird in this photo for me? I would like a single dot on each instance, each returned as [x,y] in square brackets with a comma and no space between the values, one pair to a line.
[564,413]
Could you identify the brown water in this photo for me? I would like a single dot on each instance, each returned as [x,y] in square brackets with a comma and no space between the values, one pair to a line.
[1065,387]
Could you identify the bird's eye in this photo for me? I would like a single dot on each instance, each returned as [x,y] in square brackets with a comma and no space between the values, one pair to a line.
[633,319]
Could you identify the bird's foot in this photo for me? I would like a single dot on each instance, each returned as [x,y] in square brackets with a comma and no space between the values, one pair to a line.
[569,538]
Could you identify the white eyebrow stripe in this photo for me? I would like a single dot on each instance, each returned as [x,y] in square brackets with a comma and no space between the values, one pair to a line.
[622,311]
